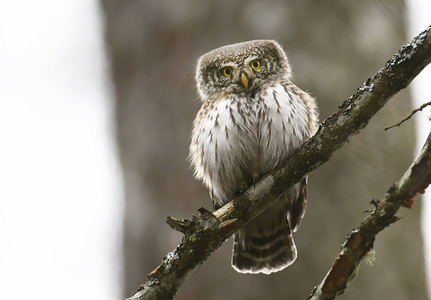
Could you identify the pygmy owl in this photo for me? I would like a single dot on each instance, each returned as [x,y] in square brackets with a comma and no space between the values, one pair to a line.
[252,119]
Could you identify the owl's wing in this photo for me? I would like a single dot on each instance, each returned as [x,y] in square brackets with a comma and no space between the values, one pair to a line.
[298,207]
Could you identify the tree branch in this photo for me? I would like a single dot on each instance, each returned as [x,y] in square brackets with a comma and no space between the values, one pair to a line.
[415,180]
[207,232]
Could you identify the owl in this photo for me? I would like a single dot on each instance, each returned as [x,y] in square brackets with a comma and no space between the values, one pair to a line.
[252,119]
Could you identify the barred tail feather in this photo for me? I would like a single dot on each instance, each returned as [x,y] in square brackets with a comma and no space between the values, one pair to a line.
[265,245]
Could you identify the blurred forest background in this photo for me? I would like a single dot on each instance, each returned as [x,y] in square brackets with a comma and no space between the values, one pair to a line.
[333,47]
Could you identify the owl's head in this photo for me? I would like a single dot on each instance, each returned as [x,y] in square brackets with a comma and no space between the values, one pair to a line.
[241,68]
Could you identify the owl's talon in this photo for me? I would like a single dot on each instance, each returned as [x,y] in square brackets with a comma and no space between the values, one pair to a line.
[255,178]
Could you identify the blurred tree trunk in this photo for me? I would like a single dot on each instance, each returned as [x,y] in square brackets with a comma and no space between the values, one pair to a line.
[333,47]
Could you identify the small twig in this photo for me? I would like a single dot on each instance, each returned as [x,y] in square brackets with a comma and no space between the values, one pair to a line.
[409,116]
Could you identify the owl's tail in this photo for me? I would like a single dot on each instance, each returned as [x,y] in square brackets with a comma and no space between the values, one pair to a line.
[265,245]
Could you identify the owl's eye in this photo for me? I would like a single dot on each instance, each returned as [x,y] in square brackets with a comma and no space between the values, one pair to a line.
[255,64]
[227,71]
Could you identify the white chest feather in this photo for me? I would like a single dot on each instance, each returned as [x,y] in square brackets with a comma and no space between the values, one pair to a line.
[235,137]
[282,125]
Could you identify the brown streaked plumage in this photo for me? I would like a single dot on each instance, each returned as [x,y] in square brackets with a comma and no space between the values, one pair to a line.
[252,118]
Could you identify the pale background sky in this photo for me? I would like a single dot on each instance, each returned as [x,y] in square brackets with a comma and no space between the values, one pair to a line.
[61,189]
[61,193]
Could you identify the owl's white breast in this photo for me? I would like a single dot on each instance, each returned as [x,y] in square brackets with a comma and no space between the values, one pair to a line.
[234,137]
[224,144]
[282,124]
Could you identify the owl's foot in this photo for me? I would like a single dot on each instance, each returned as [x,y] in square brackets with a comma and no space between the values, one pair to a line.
[244,186]
[251,183]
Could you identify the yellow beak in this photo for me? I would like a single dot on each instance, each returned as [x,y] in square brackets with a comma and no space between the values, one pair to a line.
[244,80]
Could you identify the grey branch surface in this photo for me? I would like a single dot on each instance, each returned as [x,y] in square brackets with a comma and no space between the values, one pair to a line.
[205,233]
